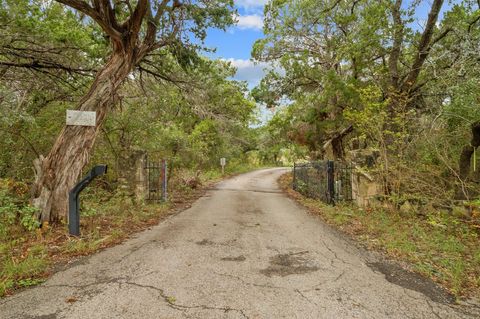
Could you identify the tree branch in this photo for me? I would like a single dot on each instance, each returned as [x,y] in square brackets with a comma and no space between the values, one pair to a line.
[424,46]
[134,22]
[471,24]
[37,65]
[29,143]
[397,44]
[109,15]
[85,8]
[153,21]
[441,36]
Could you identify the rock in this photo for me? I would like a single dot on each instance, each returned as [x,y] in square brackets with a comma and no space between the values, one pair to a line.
[407,208]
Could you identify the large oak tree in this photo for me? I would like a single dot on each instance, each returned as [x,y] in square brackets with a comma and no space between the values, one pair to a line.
[138,33]
[327,48]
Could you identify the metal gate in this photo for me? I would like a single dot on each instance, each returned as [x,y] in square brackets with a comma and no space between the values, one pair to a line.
[156,180]
[328,181]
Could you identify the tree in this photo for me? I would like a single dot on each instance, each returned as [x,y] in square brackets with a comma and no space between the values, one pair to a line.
[192,122]
[136,32]
[309,40]
[330,50]
[48,58]
[405,86]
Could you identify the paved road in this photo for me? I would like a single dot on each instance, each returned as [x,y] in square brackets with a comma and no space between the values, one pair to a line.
[242,251]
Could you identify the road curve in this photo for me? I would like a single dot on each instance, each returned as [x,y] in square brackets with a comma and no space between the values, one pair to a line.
[244,250]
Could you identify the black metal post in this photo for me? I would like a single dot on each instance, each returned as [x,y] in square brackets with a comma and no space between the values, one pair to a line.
[74,199]
[73,215]
[164,180]
[294,181]
[331,182]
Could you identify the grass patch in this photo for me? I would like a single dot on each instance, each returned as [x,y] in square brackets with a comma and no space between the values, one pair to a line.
[438,245]
[21,266]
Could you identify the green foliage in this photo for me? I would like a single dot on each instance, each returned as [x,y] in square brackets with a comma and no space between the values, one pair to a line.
[26,272]
[159,113]
[334,64]
[438,246]
[463,109]
[371,116]
[40,34]
[15,213]
[176,105]
[273,140]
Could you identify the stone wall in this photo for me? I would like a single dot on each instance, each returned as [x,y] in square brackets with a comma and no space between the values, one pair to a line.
[364,188]
[132,176]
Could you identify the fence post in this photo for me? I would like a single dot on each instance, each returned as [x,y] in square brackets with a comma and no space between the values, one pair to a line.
[331,181]
[164,180]
[140,183]
[293,183]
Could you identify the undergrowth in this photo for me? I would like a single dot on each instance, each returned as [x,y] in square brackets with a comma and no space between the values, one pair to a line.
[28,254]
[438,245]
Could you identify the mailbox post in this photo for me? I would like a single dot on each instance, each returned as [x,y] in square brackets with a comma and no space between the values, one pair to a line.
[74,200]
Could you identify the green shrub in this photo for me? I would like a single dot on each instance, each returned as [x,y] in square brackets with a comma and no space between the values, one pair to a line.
[15,212]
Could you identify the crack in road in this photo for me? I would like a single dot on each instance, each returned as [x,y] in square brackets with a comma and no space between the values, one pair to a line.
[326,281]
[172,304]
[335,255]
[249,283]
[305,297]
[282,262]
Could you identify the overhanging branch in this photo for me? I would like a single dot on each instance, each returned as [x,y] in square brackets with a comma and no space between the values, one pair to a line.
[424,46]
[36,65]
[96,15]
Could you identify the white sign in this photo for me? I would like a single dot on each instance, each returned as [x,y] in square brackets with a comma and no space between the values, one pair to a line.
[223,161]
[81,118]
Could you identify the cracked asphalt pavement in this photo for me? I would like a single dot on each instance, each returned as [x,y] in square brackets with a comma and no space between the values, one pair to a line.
[244,250]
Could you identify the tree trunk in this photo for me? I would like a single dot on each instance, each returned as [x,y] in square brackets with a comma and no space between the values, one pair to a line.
[58,172]
[336,143]
[464,164]
[338,149]
[467,152]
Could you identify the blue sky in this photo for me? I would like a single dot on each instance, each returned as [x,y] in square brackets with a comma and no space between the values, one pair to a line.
[236,43]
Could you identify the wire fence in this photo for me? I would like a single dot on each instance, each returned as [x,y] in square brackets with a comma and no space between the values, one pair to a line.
[156,173]
[328,181]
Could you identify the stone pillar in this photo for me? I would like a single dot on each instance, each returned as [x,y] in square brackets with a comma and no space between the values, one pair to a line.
[364,188]
[140,179]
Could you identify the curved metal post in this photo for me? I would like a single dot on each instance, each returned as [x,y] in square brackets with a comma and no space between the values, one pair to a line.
[74,199]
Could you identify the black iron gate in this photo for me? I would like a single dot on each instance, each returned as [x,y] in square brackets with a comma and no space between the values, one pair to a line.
[156,180]
[328,181]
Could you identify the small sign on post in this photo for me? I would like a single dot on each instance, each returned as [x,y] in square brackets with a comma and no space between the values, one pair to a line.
[81,118]
[223,162]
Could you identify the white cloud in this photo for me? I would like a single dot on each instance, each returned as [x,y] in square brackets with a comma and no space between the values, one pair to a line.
[251,4]
[253,21]
[248,71]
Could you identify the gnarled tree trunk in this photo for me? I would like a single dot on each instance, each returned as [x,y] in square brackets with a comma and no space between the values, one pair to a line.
[464,163]
[59,171]
[131,39]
